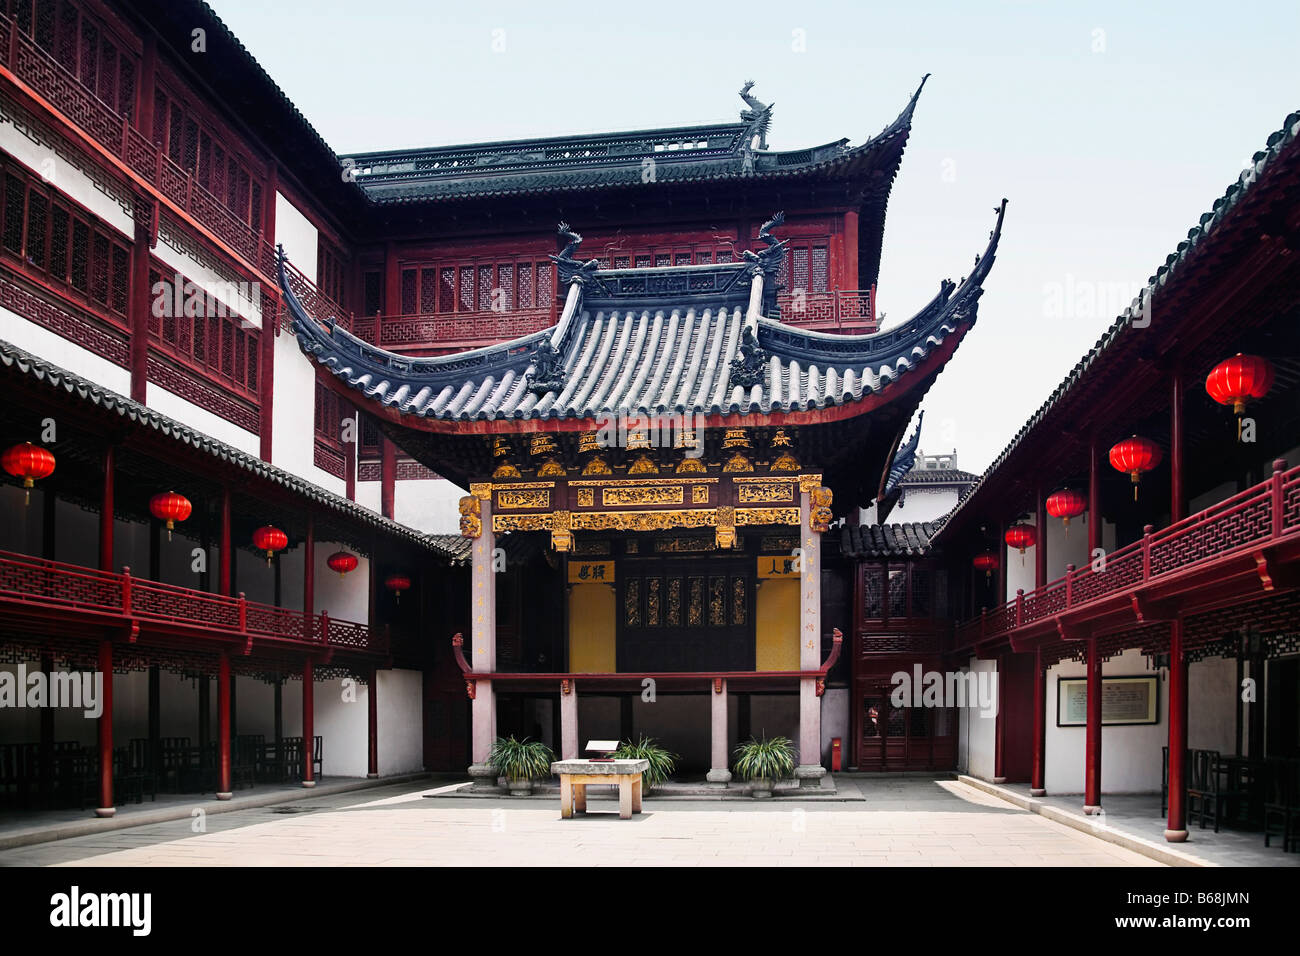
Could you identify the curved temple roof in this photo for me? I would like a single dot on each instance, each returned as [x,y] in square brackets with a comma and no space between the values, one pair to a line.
[560,164]
[649,341]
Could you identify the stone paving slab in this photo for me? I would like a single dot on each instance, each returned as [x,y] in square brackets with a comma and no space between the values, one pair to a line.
[904,822]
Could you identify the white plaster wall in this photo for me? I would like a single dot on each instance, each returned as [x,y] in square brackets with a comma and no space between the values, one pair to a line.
[240,297]
[979,733]
[1212,705]
[400,711]
[64,353]
[295,232]
[429,505]
[65,177]
[171,404]
[346,598]
[368,496]
[343,725]
[924,503]
[1130,756]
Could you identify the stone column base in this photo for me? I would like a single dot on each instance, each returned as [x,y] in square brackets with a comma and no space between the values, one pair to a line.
[224,796]
[810,775]
[105,811]
[372,776]
[1037,792]
[485,778]
[1176,836]
[999,780]
[309,783]
[1091,811]
[719,778]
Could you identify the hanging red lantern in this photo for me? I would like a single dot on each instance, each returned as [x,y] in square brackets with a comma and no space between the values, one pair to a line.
[1021,536]
[1134,456]
[270,539]
[397,583]
[342,562]
[1066,503]
[986,562]
[170,507]
[1238,380]
[30,463]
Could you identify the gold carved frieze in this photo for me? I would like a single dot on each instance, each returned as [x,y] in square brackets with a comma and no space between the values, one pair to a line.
[691,466]
[586,497]
[561,538]
[764,492]
[700,495]
[516,498]
[737,463]
[542,444]
[725,532]
[642,520]
[751,516]
[505,470]
[551,469]
[502,524]
[642,495]
[481,489]
[597,466]
[643,466]
[809,482]
[819,512]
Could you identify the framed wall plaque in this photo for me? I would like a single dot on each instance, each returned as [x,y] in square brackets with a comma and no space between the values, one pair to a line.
[1124,701]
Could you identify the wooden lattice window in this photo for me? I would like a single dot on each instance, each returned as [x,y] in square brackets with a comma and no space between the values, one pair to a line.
[216,343]
[330,270]
[65,245]
[81,45]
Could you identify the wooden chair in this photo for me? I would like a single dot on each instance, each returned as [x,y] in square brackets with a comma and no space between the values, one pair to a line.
[174,759]
[1282,804]
[245,759]
[139,772]
[1203,788]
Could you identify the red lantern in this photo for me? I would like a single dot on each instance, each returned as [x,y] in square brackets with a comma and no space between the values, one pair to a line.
[1021,536]
[170,507]
[1135,455]
[986,562]
[30,463]
[1066,503]
[1238,380]
[270,539]
[397,583]
[342,562]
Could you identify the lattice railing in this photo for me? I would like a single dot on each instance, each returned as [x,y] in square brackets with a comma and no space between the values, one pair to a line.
[35,583]
[1269,510]
[444,329]
[852,310]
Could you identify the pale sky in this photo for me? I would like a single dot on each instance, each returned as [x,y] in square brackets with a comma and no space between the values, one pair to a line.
[1109,126]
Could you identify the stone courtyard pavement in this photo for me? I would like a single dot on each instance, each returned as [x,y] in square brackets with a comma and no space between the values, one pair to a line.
[903,822]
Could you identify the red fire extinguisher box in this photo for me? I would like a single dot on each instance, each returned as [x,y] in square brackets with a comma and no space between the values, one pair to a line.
[835,753]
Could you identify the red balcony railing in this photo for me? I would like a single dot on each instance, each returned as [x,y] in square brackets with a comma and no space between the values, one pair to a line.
[45,75]
[850,310]
[1267,511]
[449,330]
[33,584]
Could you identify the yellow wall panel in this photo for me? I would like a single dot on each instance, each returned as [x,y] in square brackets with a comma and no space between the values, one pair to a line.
[591,628]
[777,631]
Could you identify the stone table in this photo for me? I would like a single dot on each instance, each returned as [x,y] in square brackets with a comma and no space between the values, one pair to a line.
[575,775]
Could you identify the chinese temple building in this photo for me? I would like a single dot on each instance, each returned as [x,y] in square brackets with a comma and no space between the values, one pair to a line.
[678,451]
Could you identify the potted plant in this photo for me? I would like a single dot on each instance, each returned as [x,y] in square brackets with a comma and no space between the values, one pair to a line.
[521,762]
[763,762]
[662,761]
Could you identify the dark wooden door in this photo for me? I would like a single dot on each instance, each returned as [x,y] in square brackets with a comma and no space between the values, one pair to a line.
[685,615]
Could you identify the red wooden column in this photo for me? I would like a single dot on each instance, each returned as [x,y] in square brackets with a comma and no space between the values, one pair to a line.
[106,808]
[223,727]
[387,476]
[1176,831]
[350,451]
[1038,770]
[1177,501]
[308,724]
[270,330]
[1000,724]
[1001,597]
[106,513]
[1092,742]
[227,557]
[372,708]
[1094,496]
[309,580]
[1040,549]
[141,297]
[848,270]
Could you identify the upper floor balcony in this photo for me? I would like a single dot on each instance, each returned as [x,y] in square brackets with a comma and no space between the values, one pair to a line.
[1229,551]
[73,598]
